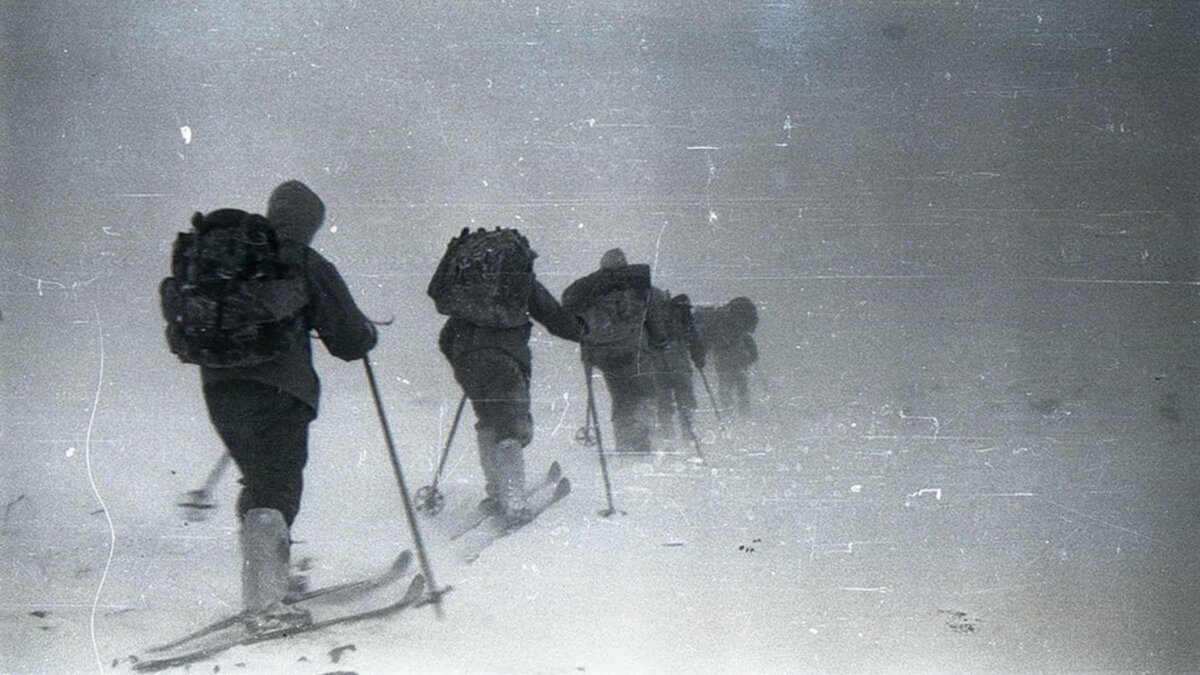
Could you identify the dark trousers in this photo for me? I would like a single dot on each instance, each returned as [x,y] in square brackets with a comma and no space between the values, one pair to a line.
[630,382]
[675,394]
[266,433]
[499,393]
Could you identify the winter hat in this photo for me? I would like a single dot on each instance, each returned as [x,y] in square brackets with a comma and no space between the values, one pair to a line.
[613,257]
[295,211]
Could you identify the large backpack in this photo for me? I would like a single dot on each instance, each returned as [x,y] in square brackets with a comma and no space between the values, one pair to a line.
[709,326]
[610,305]
[485,278]
[743,314]
[679,321]
[235,296]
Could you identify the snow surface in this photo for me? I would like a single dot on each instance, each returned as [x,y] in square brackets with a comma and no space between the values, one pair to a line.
[970,229]
[983,517]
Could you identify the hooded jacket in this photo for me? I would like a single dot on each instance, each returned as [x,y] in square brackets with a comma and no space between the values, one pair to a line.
[460,337]
[296,212]
[616,273]
[683,338]
[727,332]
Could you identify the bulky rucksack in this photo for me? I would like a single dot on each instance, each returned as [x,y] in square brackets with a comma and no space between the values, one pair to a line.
[610,305]
[708,322]
[235,295]
[485,278]
[743,314]
[679,322]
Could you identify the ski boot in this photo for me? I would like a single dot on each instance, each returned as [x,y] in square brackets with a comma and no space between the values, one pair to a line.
[266,545]
[511,470]
[491,505]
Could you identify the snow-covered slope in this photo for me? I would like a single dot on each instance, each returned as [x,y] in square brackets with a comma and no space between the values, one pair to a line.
[987,520]
[970,229]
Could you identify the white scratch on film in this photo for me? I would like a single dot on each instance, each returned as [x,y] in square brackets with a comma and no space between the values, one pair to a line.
[937,426]
[562,418]
[87,453]
[653,274]
[658,247]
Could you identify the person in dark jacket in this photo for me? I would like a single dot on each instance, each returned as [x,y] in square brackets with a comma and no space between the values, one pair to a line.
[262,413]
[493,366]
[681,350]
[727,331]
[604,302]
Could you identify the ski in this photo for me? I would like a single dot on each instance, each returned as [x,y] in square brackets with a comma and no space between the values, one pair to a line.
[477,518]
[241,638]
[344,592]
[494,527]
[352,590]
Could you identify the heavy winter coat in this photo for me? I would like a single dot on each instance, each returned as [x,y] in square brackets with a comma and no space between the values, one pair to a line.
[726,331]
[615,276]
[459,337]
[296,213]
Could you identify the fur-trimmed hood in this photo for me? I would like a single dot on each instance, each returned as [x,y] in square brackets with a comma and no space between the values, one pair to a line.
[296,212]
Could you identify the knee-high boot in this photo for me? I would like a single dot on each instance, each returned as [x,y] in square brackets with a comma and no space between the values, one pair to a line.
[492,502]
[266,544]
[510,464]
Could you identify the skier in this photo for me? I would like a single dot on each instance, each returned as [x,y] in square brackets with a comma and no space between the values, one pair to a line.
[486,285]
[262,411]
[682,350]
[727,331]
[621,323]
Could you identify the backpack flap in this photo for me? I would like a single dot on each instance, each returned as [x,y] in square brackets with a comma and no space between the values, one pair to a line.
[485,278]
[610,304]
[235,296]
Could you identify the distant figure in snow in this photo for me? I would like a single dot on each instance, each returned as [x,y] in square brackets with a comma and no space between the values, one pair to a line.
[622,332]
[681,350]
[485,283]
[259,383]
[728,332]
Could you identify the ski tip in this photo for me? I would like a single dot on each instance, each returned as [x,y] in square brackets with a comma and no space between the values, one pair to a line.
[562,489]
[436,594]
[416,588]
[403,560]
[555,472]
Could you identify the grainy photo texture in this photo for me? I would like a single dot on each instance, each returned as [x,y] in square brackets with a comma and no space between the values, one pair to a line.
[622,336]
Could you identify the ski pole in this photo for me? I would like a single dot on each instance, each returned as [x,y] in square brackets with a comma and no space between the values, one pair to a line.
[195,502]
[687,424]
[712,399]
[429,498]
[583,435]
[591,397]
[434,591]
